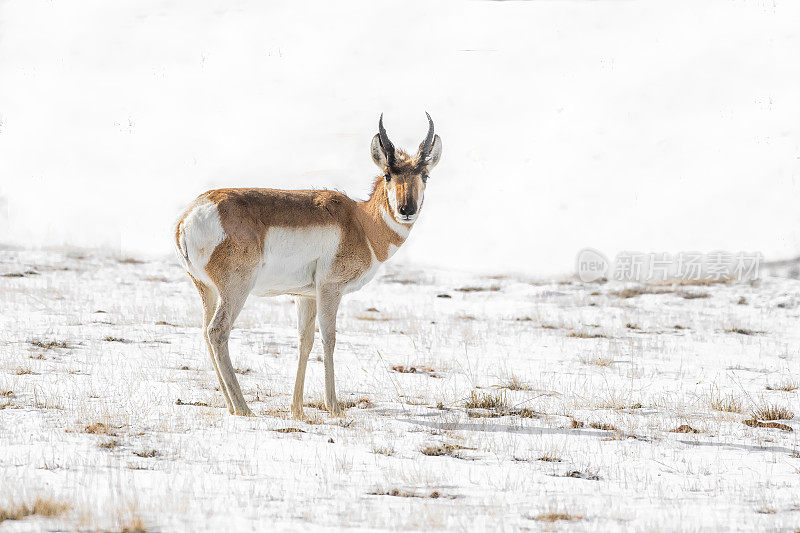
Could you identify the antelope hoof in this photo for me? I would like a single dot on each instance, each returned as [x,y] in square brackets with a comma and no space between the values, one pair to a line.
[243,411]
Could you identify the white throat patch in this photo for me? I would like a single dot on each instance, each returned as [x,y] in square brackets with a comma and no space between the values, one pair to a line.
[401,229]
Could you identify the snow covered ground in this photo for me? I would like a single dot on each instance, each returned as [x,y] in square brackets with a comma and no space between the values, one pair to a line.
[477,403]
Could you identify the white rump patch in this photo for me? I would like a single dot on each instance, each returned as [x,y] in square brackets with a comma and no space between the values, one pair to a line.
[200,234]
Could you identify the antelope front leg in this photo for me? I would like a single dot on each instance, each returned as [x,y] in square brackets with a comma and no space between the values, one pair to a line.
[306,313]
[328,298]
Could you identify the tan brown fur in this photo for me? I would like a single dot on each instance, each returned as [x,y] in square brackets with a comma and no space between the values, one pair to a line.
[247,214]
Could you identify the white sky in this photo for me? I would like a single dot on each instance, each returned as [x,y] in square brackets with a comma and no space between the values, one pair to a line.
[657,127]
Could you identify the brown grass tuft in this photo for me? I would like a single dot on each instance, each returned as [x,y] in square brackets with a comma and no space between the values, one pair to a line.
[555,517]
[405,494]
[550,457]
[632,292]
[117,339]
[443,449]
[772,412]
[136,525]
[49,345]
[420,369]
[603,426]
[772,425]
[46,507]
[684,428]
[514,383]
[598,360]
[99,428]
[146,453]
[728,403]
[586,335]
[493,288]
[485,400]
[787,386]
[693,295]
[743,331]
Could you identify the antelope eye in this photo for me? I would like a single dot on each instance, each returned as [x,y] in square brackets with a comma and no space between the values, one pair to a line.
[424,178]
[388,177]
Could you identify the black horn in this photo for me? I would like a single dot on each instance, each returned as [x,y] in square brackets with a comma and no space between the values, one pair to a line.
[427,144]
[386,144]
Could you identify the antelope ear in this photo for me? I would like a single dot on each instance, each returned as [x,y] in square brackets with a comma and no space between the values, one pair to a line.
[378,154]
[433,156]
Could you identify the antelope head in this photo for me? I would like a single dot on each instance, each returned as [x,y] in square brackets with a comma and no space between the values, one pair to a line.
[405,176]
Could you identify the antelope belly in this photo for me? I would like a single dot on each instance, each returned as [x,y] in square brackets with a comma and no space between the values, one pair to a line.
[292,258]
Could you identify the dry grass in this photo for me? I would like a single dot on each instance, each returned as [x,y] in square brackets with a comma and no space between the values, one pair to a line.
[492,288]
[603,426]
[772,412]
[146,453]
[419,369]
[702,282]
[632,292]
[555,517]
[514,383]
[728,403]
[46,507]
[684,428]
[485,400]
[693,295]
[361,403]
[99,428]
[443,449]
[49,345]
[117,339]
[130,261]
[598,360]
[586,335]
[405,494]
[550,457]
[787,386]
[743,331]
[110,444]
[772,425]
[23,371]
[21,274]
[135,525]
[195,404]
[388,451]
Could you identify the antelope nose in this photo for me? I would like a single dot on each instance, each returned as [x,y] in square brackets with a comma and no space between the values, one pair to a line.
[407,210]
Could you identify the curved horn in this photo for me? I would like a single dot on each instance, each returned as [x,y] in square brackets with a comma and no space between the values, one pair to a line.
[427,144]
[386,144]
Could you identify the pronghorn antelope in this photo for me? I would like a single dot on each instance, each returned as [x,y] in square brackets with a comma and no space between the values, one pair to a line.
[313,244]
